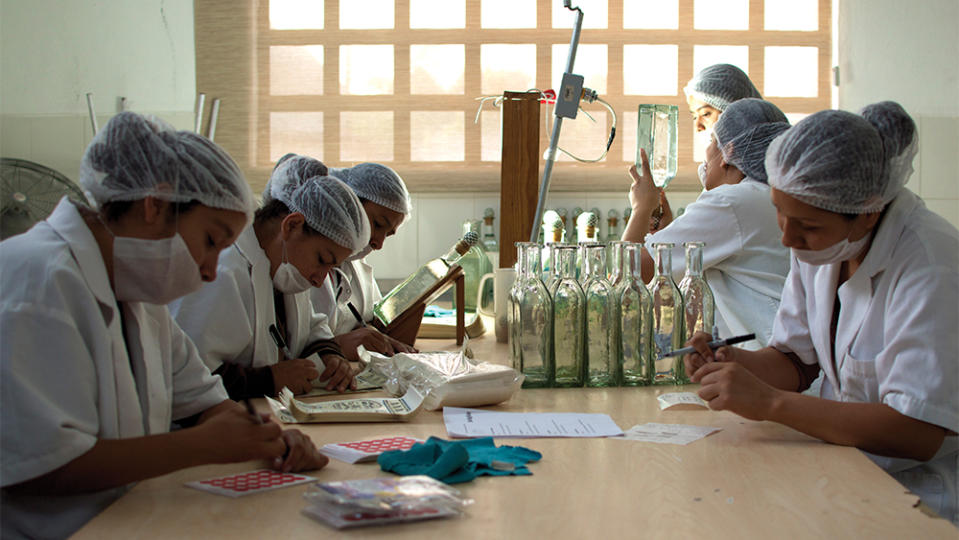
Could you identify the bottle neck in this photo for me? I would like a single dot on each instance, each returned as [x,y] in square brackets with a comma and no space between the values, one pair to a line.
[595,258]
[633,262]
[664,260]
[694,259]
[457,252]
[566,262]
[618,261]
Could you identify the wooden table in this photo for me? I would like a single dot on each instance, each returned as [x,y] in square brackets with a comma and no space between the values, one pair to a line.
[752,479]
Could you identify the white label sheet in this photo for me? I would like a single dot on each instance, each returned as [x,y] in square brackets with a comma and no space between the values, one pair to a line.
[479,423]
[667,433]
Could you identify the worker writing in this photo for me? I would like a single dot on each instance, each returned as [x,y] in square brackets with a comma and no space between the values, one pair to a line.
[870,299]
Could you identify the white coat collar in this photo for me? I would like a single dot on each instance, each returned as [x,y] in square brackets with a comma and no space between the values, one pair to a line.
[67,222]
[857,293]
[248,247]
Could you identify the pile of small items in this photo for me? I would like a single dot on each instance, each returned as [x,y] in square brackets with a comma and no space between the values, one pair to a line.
[381,501]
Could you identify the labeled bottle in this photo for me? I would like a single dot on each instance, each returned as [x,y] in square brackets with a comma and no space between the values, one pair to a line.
[489,238]
[612,225]
[574,224]
[533,319]
[587,227]
[667,319]
[569,320]
[699,306]
[406,294]
[636,320]
[602,332]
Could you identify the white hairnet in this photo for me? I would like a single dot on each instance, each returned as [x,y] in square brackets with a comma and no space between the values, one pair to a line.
[133,157]
[744,131]
[292,168]
[378,184]
[832,160]
[721,84]
[900,140]
[330,208]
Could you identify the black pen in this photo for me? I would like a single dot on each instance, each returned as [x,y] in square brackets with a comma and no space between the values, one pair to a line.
[252,411]
[356,314]
[713,345]
[280,342]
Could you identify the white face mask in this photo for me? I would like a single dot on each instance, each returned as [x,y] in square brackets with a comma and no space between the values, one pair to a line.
[702,174]
[289,280]
[153,271]
[843,250]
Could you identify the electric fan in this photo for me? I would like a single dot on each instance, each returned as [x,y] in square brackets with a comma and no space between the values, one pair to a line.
[29,192]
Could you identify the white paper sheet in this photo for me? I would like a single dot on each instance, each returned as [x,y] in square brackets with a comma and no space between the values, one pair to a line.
[479,423]
[667,433]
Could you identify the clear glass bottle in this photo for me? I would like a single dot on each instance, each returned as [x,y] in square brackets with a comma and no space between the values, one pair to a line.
[699,305]
[602,330]
[476,263]
[489,237]
[658,133]
[636,320]
[574,225]
[404,295]
[533,320]
[612,225]
[667,319]
[551,274]
[569,320]
[512,315]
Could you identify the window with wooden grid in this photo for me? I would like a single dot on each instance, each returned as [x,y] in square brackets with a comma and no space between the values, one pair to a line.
[396,81]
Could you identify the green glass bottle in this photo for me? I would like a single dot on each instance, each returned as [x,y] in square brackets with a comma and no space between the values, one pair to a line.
[667,319]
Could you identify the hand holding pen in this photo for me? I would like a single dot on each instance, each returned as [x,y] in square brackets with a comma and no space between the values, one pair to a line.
[713,345]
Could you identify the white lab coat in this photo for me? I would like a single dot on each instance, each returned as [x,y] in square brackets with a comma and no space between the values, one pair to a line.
[896,338]
[66,376]
[744,260]
[354,283]
[229,318]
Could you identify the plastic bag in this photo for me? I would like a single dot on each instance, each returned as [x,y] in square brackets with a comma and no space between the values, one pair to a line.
[446,379]
[380,501]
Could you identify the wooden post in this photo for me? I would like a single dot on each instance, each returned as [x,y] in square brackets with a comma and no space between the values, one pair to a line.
[519,175]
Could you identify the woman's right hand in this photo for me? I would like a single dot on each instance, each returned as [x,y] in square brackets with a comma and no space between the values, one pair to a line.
[704,355]
[233,436]
[296,374]
[644,196]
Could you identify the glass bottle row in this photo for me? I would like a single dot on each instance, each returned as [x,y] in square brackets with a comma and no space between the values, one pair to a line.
[600,328]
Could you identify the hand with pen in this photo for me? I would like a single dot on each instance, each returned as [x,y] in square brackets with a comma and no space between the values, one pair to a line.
[230,432]
[727,383]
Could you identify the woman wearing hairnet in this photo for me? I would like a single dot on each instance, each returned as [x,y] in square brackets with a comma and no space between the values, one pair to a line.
[708,94]
[347,298]
[305,226]
[743,261]
[714,89]
[870,299]
[92,368]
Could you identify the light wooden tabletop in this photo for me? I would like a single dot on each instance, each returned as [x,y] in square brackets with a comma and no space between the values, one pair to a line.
[751,479]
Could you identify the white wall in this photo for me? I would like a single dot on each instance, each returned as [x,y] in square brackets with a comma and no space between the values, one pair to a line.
[52,52]
[909,52]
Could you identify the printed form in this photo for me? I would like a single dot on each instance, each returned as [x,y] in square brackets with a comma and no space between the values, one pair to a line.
[465,423]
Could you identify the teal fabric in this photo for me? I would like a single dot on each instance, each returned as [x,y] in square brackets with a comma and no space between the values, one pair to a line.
[437,312]
[454,462]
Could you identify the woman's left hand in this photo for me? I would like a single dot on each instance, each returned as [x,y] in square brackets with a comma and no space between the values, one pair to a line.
[301,454]
[339,373]
[728,386]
